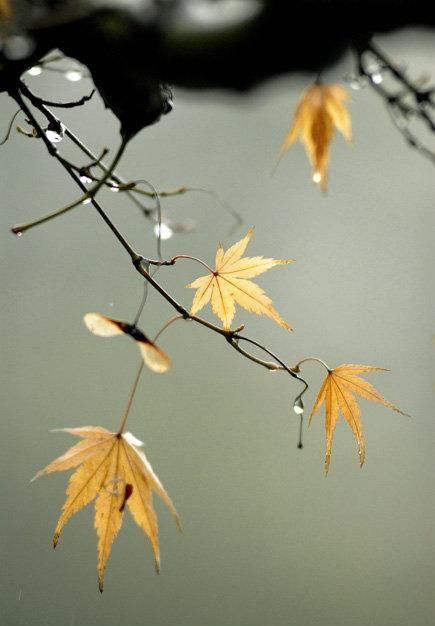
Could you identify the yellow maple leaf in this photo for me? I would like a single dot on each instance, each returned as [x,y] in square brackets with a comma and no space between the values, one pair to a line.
[320,110]
[228,284]
[337,392]
[115,472]
[157,360]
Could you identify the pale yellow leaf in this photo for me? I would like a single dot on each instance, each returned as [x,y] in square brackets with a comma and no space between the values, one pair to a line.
[338,393]
[319,112]
[229,284]
[115,472]
[204,287]
[108,513]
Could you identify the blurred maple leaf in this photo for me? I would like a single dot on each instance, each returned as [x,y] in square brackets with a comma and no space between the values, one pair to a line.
[228,285]
[157,360]
[337,392]
[320,110]
[113,470]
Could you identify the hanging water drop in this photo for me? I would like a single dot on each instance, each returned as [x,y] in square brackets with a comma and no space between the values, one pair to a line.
[298,406]
[85,179]
[317,177]
[355,81]
[377,78]
[54,132]
[164,231]
[87,201]
[19,233]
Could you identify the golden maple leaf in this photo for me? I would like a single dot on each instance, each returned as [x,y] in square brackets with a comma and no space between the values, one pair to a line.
[337,392]
[320,110]
[103,326]
[228,284]
[115,472]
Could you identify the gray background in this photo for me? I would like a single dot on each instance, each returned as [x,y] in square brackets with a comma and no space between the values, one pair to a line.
[267,540]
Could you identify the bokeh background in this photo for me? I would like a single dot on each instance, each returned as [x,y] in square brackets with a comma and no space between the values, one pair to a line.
[266,540]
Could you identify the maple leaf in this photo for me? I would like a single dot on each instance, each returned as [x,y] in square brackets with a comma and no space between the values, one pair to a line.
[320,110]
[114,471]
[337,392]
[228,284]
[103,326]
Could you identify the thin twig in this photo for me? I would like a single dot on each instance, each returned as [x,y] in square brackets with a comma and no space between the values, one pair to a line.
[130,400]
[67,105]
[11,123]
[395,101]
[165,326]
[141,264]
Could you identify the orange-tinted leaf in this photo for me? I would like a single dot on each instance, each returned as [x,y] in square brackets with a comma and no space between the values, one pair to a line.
[320,110]
[115,472]
[228,285]
[338,394]
[157,360]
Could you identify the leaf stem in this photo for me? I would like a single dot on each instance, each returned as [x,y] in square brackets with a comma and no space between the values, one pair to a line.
[165,326]
[296,367]
[174,259]
[130,400]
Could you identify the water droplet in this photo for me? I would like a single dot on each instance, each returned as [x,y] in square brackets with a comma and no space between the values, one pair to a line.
[317,177]
[53,136]
[19,233]
[87,201]
[298,406]
[85,179]
[73,75]
[377,78]
[165,231]
[36,70]
[356,82]
[54,132]
[114,188]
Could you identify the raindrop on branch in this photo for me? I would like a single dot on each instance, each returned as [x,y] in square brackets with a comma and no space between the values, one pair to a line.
[298,406]
[377,78]
[164,231]
[356,82]
[55,132]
